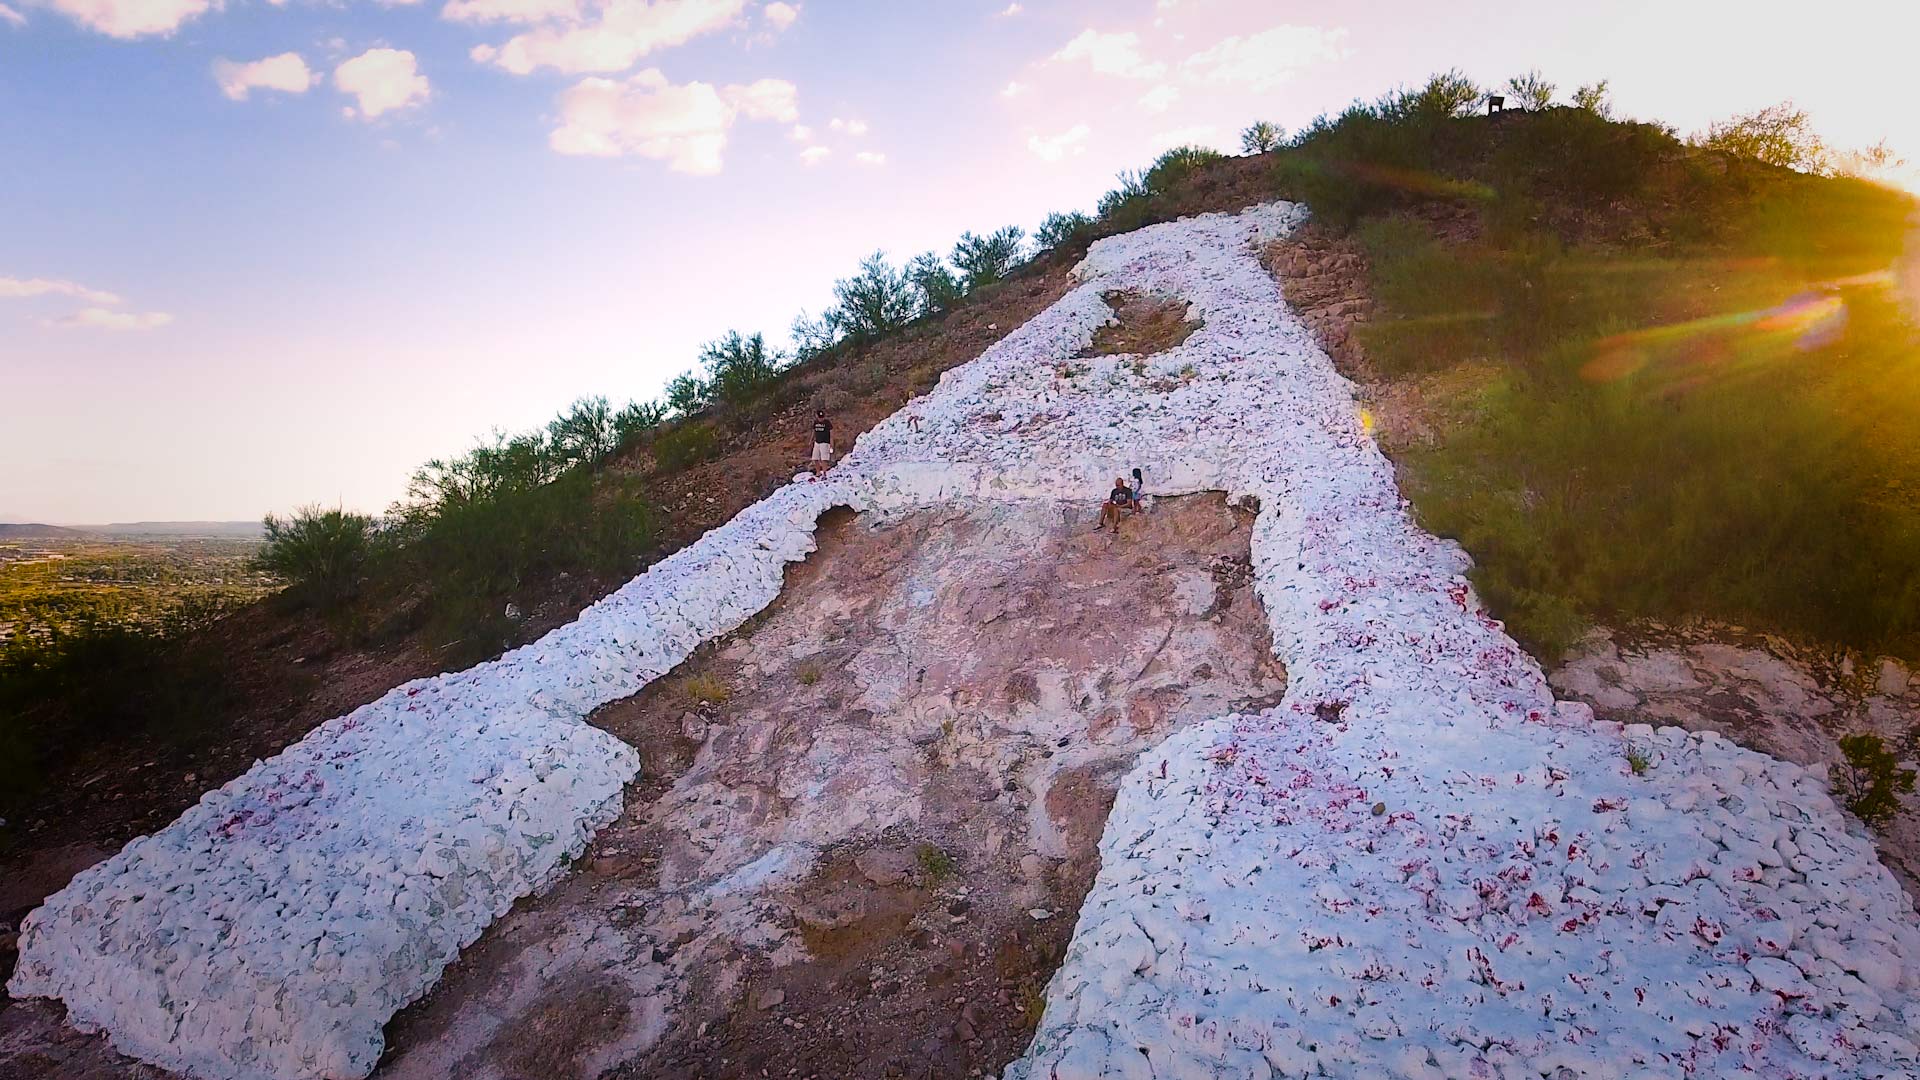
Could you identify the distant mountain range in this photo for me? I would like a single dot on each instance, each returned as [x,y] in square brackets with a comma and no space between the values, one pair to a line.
[223,529]
[35,532]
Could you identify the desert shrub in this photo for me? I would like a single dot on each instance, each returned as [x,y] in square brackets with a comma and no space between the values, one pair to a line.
[472,557]
[1529,91]
[1446,95]
[706,689]
[935,863]
[1779,135]
[1173,167]
[874,302]
[812,336]
[1871,780]
[1061,228]
[938,289]
[1260,137]
[740,368]
[1128,206]
[636,419]
[322,553]
[983,260]
[684,445]
[687,394]
[585,434]
[1593,98]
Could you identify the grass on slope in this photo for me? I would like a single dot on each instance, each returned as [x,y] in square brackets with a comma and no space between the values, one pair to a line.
[1696,391]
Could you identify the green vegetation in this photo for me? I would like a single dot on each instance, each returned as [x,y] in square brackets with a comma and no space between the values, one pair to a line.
[320,552]
[1692,391]
[1871,781]
[1260,137]
[935,863]
[86,682]
[706,689]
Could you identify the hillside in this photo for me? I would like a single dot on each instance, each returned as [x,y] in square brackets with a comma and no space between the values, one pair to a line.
[841,800]
[34,532]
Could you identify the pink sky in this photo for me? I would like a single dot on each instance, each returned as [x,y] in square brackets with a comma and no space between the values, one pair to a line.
[263,255]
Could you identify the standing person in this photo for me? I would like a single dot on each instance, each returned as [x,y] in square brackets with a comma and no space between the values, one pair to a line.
[1139,489]
[822,443]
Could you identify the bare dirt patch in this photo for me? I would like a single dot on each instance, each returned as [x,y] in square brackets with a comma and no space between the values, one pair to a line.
[1144,325]
[868,858]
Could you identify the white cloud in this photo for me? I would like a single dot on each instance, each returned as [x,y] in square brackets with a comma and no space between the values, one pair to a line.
[850,127]
[814,155]
[18,288]
[1054,147]
[1111,54]
[381,80]
[1264,60]
[103,319]
[648,116]
[8,15]
[779,15]
[868,157]
[1014,89]
[765,99]
[801,133]
[520,11]
[1011,10]
[130,18]
[624,31]
[1160,97]
[286,72]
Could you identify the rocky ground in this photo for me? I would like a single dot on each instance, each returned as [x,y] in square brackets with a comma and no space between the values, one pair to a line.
[940,705]
[1762,693]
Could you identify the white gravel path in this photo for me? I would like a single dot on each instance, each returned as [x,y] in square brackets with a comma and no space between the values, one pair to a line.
[1419,865]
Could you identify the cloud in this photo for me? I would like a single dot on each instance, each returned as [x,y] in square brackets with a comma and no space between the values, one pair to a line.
[624,31]
[18,288]
[130,18]
[1160,97]
[520,11]
[286,72]
[1011,10]
[381,80]
[648,116]
[101,318]
[814,155]
[801,133]
[850,127]
[1054,147]
[869,157]
[779,15]
[1264,60]
[1014,89]
[8,15]
[765,99]
[1111,54]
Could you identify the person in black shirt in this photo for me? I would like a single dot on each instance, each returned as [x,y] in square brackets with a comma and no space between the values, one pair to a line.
[1120,498]
[822,443]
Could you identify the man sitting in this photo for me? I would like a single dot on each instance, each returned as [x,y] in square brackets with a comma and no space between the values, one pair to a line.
[1120,498]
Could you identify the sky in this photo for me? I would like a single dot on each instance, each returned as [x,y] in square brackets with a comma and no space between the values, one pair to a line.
[257,254]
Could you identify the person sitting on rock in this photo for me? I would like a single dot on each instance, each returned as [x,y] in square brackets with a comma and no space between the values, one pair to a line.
[1118,500]
[822,443]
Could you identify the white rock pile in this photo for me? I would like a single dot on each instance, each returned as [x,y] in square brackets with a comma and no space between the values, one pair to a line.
[274,928]
[1418,865]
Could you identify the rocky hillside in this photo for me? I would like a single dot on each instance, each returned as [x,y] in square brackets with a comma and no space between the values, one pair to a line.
[907,770]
